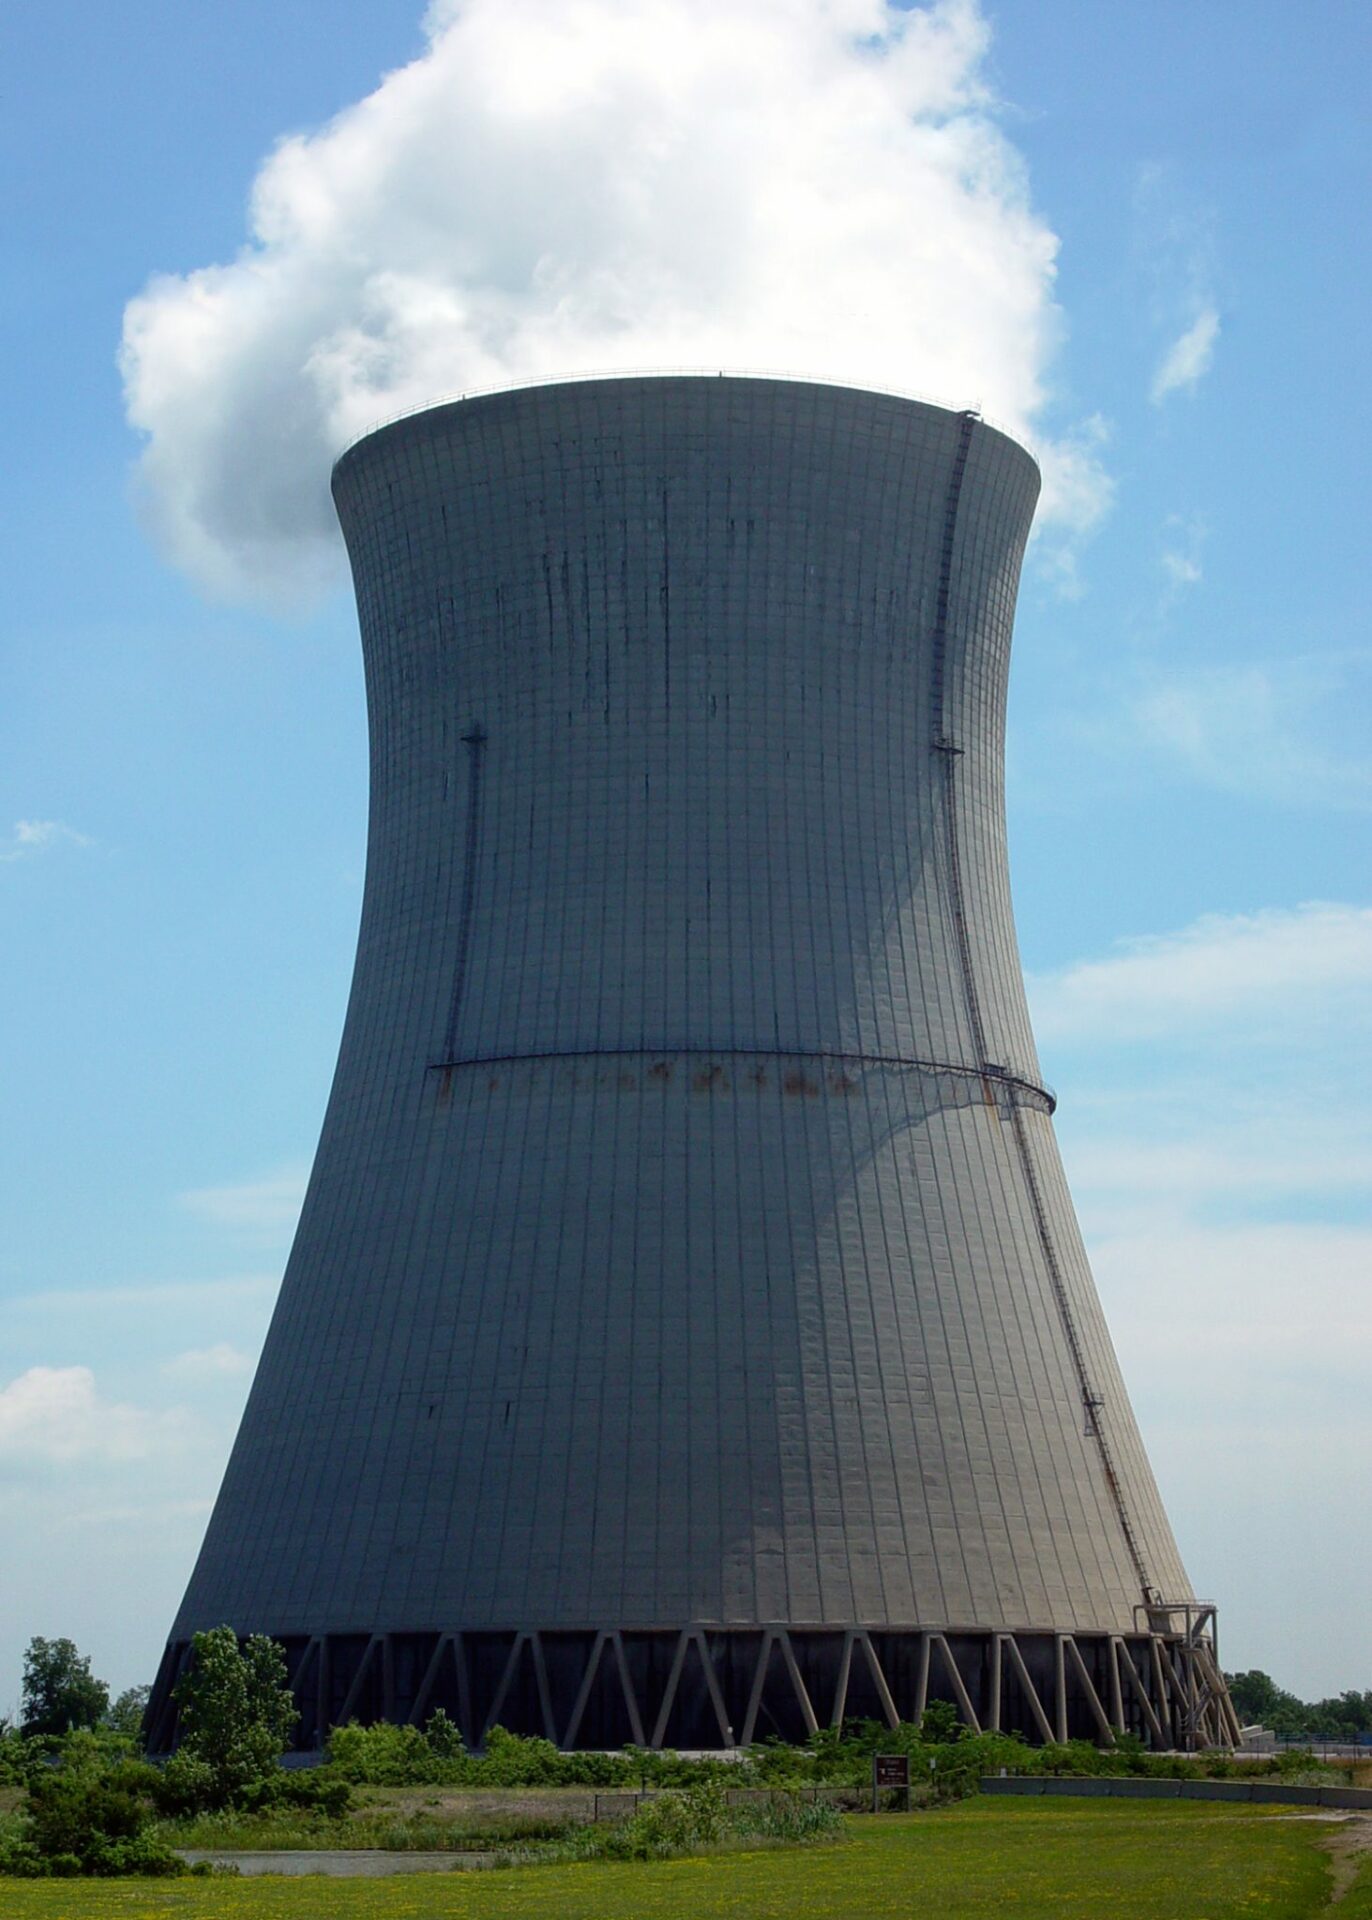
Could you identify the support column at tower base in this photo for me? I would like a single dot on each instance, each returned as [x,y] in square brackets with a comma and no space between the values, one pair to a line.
[706,1686]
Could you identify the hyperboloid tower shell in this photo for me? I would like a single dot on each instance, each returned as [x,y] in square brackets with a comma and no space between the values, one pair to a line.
[688,1334]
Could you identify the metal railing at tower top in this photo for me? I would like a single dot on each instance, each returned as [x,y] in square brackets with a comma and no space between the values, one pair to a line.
[1020,434]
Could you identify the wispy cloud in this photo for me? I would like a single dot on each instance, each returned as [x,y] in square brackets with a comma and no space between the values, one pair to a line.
[1284,729]
[1224,968]
[248,1290]
[1189,356]
[1231,1288]
[1148,1142]
[1078,494]
[31,837]
[1174,242]
[165,1514]
[54,1414]
[130,1452]
[1218,1148]
[222,1361]
[1180,559]
[265,1208]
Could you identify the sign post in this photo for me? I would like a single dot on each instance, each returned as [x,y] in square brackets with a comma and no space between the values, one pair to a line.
[890,1771]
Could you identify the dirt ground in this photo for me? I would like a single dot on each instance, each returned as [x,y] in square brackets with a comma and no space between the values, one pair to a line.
[1348,1845]
[495,1803]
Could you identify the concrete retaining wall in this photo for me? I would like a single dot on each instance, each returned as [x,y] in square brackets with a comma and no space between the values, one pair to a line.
[1268,1791]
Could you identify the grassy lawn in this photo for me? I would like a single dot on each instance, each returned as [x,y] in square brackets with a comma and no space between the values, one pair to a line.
[1015,1861]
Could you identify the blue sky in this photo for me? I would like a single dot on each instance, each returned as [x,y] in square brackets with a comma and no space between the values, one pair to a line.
[182,787]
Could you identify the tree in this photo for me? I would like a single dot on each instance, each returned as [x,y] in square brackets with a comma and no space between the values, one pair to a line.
[60,1691]
[236,1711]
[1257,1698]
[125,1714]
[940,1724]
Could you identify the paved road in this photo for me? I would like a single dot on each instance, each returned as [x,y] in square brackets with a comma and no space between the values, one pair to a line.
[358,1864]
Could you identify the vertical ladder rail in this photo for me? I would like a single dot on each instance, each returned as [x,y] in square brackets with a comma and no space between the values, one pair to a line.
[950,753]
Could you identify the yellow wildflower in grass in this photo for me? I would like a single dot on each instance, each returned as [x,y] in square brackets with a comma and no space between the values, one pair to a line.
[983,1860]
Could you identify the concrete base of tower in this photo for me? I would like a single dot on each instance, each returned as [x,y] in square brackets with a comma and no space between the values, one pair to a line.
[705,1686]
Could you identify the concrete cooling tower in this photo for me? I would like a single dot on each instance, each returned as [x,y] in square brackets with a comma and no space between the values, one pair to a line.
[688,1335]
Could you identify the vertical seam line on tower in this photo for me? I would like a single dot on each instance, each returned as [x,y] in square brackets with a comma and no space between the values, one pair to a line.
[474,742]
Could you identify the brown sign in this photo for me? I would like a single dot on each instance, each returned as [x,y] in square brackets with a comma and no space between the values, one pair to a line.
[890,1770]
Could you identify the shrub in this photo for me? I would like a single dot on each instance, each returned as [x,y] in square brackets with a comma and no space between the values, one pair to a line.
[19,1858]
[1076,1757]
[184,1785]
[957,1769]
[88,1816]
[18,1757]
[669,1823]
[518,1760]
[444,1738]
[385,1755]
[311,1790]
[940,1724]
[785,1816]
[690,1818]
[236,1710]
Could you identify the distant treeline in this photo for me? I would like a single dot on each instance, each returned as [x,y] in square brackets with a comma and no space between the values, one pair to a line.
[1259,1701]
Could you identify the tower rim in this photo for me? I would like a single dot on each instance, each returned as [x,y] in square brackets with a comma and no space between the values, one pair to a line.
[537,387]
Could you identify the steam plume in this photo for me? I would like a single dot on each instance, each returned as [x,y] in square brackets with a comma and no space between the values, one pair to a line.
[560,186]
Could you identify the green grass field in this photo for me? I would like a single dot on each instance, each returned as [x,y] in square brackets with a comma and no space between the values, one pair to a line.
[1028,1861]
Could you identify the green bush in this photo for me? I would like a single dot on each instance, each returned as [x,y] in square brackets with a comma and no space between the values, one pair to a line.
[690,1819]
[185,1785]
[670,1823]
[18,1757]
[87,1816]
[444,1737]
[236,1710]
[940,1724]
[19,1858]
[385,1755]
[785,1816]
[308,1789]
[516,1760]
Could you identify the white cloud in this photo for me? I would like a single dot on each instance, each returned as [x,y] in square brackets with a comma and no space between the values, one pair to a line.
[54,1414]
[104,1489]
[1232,1289]
[566,186]
[1078,493]
[1124,1166]
[1284,730]
[250,1290]
[36,836]
[1174,242]
[1183,539]
[1277,963]
[1189,356]
[1248,1346]
[222,1361]
[268,1207]
[1219,1151]
[1182,569]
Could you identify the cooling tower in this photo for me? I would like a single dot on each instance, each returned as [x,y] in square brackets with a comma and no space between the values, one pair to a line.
[688,1334]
